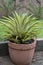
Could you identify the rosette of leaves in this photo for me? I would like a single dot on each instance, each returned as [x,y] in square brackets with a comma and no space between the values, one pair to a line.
[20,28]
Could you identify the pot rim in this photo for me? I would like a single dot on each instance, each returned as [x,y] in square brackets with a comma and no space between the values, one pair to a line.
[22,46]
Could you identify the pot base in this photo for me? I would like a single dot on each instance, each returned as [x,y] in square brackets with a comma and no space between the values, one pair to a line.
[21,63]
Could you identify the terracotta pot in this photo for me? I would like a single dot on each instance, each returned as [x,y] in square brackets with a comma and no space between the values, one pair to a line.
[21,54]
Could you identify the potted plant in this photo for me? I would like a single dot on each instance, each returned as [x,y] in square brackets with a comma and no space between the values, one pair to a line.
[21,33]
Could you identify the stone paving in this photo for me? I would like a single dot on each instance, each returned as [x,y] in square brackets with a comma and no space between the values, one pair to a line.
[37,60]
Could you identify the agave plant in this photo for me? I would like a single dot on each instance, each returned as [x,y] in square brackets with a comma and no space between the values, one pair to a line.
[7,6]
[36,8]
[33,8]
[20,28]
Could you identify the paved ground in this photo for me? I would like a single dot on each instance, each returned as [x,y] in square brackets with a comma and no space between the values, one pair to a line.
[37,60]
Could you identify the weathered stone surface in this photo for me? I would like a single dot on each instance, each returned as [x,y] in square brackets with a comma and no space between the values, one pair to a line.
[37,60]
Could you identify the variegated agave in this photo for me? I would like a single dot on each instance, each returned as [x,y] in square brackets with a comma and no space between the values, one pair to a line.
[21,28]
